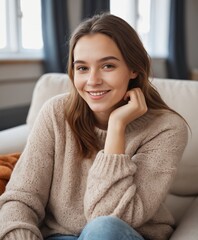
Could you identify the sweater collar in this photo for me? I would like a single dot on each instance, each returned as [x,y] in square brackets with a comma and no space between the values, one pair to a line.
[136,124]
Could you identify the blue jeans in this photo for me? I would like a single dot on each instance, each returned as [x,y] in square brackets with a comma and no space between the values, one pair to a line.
[103,228]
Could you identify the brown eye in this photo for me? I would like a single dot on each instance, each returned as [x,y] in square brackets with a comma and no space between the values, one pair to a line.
[108,66]
[82,68]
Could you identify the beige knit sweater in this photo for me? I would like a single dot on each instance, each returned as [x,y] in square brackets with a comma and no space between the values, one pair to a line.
[53,190]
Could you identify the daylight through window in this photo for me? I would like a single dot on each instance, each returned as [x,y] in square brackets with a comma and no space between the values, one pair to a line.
[20,28]
[150,18]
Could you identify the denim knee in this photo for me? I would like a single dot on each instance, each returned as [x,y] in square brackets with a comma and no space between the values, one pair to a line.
[109,228]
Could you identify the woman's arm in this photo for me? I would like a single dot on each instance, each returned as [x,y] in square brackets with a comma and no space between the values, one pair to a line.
[132,188]
[22,206]
[120,118]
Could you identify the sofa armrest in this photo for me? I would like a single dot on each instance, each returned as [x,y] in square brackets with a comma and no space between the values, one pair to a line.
[13,139]
[188,227]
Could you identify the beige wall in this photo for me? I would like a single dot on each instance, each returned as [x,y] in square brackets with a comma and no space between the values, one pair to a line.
[192,34]
[17,80]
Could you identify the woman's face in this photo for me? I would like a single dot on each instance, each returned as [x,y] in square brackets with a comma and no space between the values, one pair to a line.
[101,75]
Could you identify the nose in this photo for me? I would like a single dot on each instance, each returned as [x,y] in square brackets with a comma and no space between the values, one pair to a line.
[94,78]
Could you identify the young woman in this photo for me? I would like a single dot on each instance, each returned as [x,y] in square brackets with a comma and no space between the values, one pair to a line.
[100,160]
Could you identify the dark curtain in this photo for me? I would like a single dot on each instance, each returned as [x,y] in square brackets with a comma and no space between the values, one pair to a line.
[55,34]
[177,62]
[91,7]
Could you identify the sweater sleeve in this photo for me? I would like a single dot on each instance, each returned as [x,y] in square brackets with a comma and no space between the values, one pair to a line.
[133,188]
[22,206]
[21,234]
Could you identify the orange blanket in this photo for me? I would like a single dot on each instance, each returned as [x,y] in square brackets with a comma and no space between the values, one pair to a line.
[7,163]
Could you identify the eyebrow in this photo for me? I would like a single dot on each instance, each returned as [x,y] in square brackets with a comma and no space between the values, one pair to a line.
[100,60]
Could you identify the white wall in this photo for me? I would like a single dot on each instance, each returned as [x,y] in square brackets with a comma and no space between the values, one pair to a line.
[17,80]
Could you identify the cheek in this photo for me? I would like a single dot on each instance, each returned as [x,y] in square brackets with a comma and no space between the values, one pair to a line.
[78,84]
[123,85]
[121,79]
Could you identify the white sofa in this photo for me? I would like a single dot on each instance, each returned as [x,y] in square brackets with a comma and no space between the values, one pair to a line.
[181,95]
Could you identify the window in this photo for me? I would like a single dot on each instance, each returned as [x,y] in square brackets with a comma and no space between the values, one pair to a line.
[20,29]
[2,24]
[150,18]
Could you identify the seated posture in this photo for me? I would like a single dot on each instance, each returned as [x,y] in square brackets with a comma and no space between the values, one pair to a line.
[99,160]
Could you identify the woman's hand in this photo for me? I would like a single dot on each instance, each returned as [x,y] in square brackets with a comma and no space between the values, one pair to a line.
[134,109]
[120,117]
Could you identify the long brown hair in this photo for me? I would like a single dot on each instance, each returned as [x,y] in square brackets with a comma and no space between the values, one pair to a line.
[78,114]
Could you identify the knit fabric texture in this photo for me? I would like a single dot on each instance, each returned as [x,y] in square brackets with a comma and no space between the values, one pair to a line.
[53,190]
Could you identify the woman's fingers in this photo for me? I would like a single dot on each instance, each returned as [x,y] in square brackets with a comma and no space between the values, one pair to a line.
[137,99]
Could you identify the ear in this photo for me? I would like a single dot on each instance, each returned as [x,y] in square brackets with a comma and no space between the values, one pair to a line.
[133,74]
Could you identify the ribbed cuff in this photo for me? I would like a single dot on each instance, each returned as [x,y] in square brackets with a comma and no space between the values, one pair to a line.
[21,234]
[113,164]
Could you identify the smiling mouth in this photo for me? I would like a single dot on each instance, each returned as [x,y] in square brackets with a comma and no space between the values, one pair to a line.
[99,93]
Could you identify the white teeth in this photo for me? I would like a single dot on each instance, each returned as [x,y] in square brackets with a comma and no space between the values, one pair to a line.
[96,93]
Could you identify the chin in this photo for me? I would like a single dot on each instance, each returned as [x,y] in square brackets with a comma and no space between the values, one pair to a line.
[101,109]
[98,110]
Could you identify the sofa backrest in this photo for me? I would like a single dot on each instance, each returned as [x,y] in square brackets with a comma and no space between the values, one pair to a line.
[48,85]
[182,96]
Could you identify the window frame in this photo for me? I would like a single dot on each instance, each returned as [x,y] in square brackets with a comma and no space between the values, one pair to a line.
[14,49]
[159,24]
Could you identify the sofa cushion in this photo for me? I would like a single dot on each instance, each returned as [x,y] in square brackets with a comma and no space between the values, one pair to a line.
[178,205]
[13,139]
[187,228]
[48,85]
[182,96]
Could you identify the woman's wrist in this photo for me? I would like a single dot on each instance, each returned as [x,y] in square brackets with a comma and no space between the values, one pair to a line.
[115,140]
[116,124]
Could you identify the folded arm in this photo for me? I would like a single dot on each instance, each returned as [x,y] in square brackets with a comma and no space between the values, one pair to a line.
[133,187]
